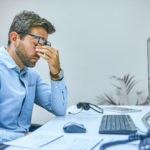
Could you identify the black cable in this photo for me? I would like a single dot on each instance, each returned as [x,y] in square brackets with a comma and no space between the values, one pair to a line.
[75,113]
[131,138]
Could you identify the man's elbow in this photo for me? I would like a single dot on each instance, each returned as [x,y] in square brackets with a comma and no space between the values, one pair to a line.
[61,113]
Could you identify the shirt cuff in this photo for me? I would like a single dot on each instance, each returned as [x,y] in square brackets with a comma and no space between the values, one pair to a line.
[56,84]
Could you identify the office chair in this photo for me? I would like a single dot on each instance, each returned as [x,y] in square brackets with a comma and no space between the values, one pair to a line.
[34,127]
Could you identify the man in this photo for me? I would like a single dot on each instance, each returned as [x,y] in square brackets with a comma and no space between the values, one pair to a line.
[20,84]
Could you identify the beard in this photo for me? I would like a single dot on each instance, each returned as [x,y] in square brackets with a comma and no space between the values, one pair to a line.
[25,59]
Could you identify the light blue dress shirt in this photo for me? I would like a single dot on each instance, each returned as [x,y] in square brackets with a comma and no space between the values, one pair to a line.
[19,90]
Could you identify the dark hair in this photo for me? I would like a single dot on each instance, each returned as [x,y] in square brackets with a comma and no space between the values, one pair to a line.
[26,20]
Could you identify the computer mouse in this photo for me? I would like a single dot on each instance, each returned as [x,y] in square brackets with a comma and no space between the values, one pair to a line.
[73,127]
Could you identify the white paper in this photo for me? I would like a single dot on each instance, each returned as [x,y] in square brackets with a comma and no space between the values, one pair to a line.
[76,142]
[35,140]
[18,148]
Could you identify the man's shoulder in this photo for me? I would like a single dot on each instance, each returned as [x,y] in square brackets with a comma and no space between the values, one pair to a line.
[2,51]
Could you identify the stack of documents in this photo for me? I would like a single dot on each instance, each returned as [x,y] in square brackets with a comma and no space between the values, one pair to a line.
[55,141]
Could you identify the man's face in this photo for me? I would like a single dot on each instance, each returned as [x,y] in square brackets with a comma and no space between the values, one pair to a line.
[26,48]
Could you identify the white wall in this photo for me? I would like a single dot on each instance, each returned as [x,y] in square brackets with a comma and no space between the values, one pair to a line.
[96,39]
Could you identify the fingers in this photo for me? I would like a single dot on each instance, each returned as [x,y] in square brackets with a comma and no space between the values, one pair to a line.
[51,56]
[46,49]
[46,52]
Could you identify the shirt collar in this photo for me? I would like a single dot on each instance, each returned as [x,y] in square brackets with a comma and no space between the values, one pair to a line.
[9,62]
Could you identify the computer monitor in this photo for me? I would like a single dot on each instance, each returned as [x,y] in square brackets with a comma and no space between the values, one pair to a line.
[148,62]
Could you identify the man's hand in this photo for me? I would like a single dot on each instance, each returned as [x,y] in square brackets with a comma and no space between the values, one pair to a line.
[51,55]
[26,134]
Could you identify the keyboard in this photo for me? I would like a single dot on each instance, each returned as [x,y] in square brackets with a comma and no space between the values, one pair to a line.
[117,124]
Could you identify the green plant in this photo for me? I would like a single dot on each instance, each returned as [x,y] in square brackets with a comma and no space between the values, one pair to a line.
[124,93]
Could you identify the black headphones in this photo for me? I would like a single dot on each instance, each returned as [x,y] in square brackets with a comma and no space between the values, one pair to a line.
[87,106]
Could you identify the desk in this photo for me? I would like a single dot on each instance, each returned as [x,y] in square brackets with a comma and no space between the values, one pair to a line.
[91,121]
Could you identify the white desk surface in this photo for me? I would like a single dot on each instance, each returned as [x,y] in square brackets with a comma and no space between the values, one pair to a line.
[91,121]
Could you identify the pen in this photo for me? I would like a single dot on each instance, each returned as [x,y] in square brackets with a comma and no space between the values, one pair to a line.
[51,141]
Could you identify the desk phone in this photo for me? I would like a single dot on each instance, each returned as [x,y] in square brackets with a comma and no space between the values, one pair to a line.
[146,120]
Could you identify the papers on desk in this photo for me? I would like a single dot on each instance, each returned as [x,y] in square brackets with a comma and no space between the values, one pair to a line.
[50,141]
[75,142]
[35,140]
